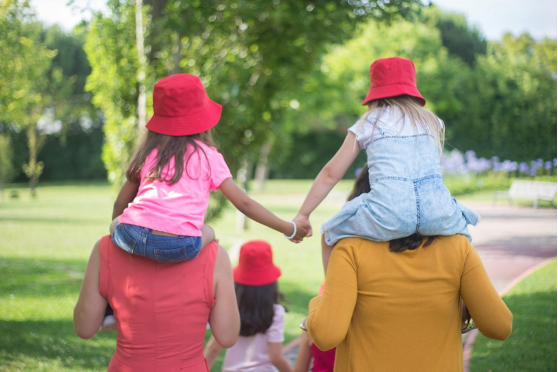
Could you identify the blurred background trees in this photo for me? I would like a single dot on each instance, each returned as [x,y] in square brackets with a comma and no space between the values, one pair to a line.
[291,76]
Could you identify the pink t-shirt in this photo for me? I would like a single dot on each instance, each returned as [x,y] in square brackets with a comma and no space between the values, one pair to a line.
[250,354]
[179,208]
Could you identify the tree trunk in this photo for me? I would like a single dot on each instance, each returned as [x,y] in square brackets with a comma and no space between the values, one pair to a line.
[142,70]
[242,177]
[33,169]
[261,169]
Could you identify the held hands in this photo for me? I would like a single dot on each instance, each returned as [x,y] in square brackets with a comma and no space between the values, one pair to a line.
[303,229]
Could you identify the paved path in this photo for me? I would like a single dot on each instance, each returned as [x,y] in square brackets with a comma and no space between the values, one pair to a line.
[511,242]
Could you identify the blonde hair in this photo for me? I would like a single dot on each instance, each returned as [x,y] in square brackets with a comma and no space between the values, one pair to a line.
[410,108]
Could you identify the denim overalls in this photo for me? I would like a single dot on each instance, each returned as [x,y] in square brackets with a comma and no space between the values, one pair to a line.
[407,195]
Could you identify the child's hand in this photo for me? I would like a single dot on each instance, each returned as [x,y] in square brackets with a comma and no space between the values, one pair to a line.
[302,228]
[303,220]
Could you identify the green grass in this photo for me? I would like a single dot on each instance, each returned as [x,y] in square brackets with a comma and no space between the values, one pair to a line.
[532,344]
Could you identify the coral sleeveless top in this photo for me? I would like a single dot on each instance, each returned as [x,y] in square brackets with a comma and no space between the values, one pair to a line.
[161,309]
[323,360]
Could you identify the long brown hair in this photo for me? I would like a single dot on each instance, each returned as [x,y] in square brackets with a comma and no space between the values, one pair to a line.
[411,242]
[409,107]
[256,306]
[362,183]
[168,147]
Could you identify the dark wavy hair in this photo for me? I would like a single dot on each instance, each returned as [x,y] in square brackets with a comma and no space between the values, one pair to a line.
[168,147]
[255,304]
[411,242]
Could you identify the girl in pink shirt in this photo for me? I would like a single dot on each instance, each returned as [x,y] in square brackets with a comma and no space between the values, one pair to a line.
[262,318]
[160,210]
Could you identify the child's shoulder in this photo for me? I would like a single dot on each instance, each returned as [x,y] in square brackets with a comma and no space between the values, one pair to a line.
[279,310]
[209,150]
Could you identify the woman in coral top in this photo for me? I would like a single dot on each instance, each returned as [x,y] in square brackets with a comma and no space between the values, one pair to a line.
[161,309]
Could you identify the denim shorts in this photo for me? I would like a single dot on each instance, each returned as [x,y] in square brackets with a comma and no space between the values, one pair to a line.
[142,242]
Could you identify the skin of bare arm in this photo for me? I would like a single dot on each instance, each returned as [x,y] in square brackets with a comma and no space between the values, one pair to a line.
[126,195]
[224,318]
[211,351]
[90,307]
[255,211]
[304,356]
[328,177]
[276,357]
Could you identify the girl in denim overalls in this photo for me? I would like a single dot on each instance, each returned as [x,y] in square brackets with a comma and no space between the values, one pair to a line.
[403,143]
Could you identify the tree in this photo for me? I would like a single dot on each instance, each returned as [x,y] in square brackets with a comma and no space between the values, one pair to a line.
[250,56]
[23,84]
[460,39]
[513,102]
[6,165]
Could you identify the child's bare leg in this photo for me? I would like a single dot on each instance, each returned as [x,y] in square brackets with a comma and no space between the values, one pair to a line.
[208,235]
[113,225]
[326,253]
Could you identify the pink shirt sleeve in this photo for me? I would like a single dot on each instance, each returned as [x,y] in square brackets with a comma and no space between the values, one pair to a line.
[276,333]
[219,171]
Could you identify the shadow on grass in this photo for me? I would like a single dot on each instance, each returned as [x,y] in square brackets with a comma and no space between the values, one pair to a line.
[34,343]
[36,329]
[532,344]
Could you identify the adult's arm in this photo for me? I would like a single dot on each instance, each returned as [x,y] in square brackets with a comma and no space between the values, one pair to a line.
[489,312]
[329,316]
[211,351]
[90,307]
[224,318]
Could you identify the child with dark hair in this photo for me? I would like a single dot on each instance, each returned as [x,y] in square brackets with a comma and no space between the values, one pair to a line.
[262,318]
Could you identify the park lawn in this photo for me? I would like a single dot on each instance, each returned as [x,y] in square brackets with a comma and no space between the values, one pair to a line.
[532,344]
[44,250]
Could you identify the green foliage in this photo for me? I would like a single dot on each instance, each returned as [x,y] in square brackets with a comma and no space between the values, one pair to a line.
[6,165]
[110,47]
[460,39]
[311,151]
[510,109]
[532,344]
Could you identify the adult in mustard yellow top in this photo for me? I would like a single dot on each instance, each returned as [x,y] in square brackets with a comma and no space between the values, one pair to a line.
[401,311]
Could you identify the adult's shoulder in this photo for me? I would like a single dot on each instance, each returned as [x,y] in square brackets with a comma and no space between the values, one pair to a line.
[353,244]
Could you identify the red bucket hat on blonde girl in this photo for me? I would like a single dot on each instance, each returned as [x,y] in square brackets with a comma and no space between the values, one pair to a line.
[391,77]
[182,107]
[255,264]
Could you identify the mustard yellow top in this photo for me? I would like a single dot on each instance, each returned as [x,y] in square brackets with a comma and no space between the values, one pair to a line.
[397,312]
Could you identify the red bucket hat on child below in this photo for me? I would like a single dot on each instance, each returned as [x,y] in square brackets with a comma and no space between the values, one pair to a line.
[182,107]
[255,264]
[391,77]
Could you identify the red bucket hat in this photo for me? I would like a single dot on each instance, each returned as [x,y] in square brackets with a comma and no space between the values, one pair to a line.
[182,107]
[255,264]
[391,77]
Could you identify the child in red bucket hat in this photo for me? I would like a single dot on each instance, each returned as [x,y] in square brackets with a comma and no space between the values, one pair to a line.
[160,210]
[262,318]
[403,143]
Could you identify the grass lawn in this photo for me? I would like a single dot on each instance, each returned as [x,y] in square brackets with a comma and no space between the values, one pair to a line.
[44,250]
[532,344]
